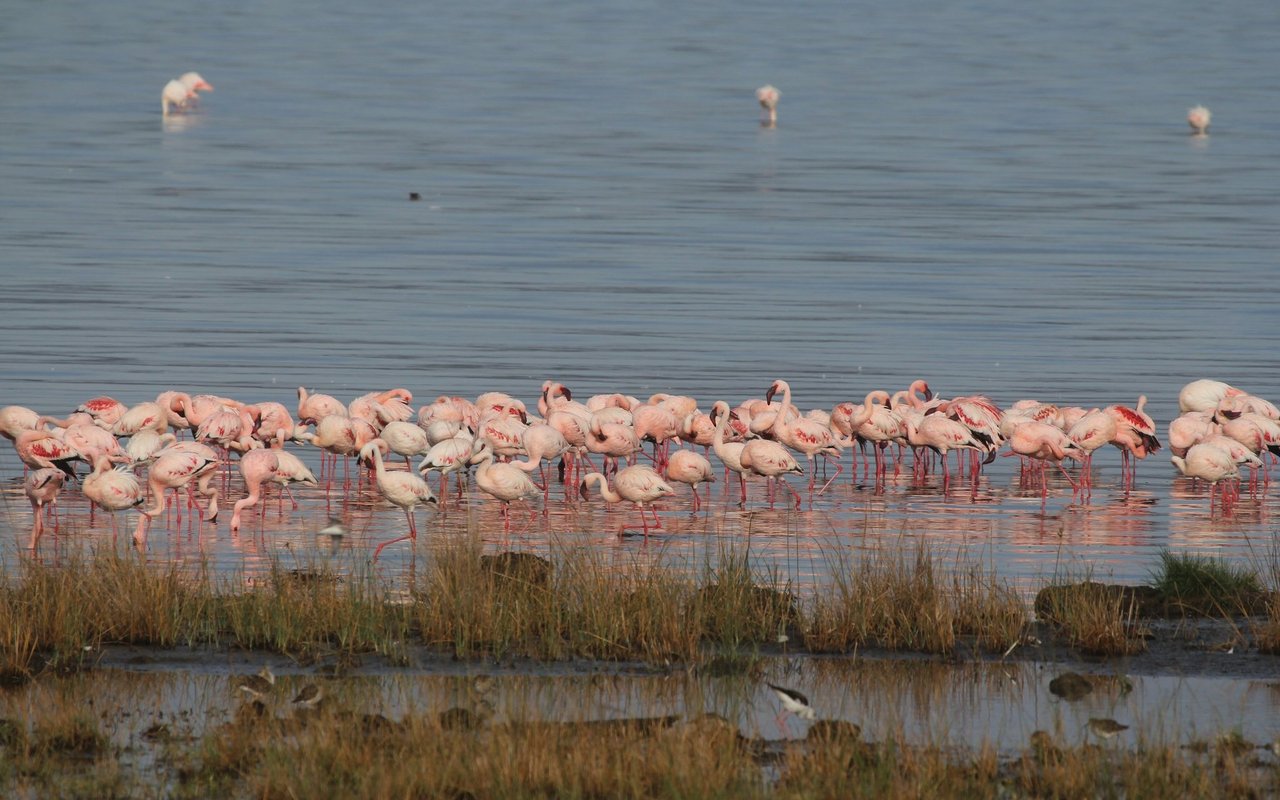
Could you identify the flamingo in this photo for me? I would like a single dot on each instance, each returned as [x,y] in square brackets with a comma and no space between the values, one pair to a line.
[1204,395]
[145,444]
[16,419]
[143,416]
[875,422]
[804,435]
[174,97]
[449,456]
[314,407]
[106,411]
[1198,118]
[771,461]
[729,453]
[1093,430]
[942,434]
[637,484]
[41,488]
[176,467]
[111,489]
[1043,442]
[405,439]
[541,442]
[404,489]
[1189,429]
[503,482]
[1135,435]
[42,449]
[1212,464]
[195,83]
[767,96]
[686,466]
[256,466]
[611,440]
[171,401]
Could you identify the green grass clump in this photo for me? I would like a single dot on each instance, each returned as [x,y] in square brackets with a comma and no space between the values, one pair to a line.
[1206,583]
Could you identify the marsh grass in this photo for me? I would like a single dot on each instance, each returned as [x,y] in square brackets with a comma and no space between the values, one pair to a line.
[906,601]
[1092,617]
[574,605]
[1206,584]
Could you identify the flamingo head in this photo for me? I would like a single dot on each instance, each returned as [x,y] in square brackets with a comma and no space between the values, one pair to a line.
[774,388]
[194,82]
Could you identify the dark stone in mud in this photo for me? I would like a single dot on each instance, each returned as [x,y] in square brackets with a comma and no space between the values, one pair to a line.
[834,731]
[1070,686]
[1148,602]
[523,568]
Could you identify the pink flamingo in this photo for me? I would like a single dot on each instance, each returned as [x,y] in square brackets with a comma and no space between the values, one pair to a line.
[611,440]
[271,422]
[1205,395]
[406,440]
[174,468]
[1190,429]
[314,407]
[174,97]
[146,444]
[256,467]
[41,488]
[40,449]
[1135,436]
[686,466]
[805,435]
[195,83]
[942,435]
[503,482]
[106,411]
[16,419]
[637,484]
[111,489]
[657,424]
[143,416]
[403,489]
[1093,430]
[771,461]
[768,96]
[171,401]
[1198,118]
[379,408]
[875,422]
[1212,464]
[729,453]
[447,457]
[541,443]
[1044,442]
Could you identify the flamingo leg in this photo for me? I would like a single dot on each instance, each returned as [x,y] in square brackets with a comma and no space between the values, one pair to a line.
[839,469]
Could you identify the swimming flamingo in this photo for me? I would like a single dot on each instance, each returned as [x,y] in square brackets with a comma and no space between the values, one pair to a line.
[767,96]
[637,484]
[503,482]
[686,466]
[1198,118]
[404,489]
[41,488]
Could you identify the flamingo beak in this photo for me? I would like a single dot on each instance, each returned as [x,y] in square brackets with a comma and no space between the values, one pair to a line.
[568,395]
[768,396]
[928,393]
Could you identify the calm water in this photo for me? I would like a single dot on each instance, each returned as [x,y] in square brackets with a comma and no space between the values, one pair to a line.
[995,197]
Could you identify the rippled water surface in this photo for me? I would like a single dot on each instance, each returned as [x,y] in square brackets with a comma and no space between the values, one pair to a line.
[998,198]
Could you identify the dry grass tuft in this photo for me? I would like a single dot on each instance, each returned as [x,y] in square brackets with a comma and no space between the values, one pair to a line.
[1095,618]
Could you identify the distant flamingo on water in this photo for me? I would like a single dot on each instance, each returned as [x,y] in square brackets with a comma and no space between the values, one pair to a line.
[768,96]
[1212,464]
[1198,118]
[804,435]
[503,482]
[404,489]
[41,488]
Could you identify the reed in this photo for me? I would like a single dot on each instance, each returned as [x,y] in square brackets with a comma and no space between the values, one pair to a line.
[1092,617]
[906,601]
[1206,585]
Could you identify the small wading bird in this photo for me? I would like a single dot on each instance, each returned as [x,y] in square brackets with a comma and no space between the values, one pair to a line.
[309,697]
[257,686]
[792,701]
[1105,728]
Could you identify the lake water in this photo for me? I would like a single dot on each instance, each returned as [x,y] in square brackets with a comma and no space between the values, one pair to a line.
[996,197]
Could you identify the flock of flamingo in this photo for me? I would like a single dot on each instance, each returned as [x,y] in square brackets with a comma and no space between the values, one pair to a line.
[182,95]
[496,436]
